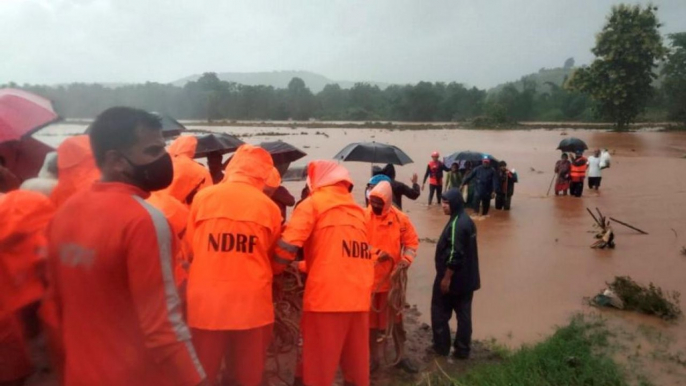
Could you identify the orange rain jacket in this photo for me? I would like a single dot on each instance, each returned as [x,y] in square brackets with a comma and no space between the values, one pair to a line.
[189,176]
[330,226]
[232,229]
[391,232]
[177,215]
[76,168]
[24,218]
[113,292]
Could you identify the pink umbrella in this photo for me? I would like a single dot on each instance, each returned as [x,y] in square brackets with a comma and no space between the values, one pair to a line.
[24,158]
[22,113]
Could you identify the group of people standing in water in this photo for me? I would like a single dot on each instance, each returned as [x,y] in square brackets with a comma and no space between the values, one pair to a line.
[479,182]
[571,173]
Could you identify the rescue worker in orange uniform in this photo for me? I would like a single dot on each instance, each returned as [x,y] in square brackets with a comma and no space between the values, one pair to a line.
[177,215]
[331,229]
[189,176]
[232,229]
[577,174]
[76,168]
[390,232]
[111,265]
[25,216]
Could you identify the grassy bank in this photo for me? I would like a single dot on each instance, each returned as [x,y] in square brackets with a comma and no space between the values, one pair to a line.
[576,354]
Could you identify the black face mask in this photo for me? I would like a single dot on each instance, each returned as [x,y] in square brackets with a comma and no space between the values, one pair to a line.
[377,211]
[153,176]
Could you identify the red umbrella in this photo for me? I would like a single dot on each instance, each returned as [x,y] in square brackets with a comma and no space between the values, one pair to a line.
[24,158]
[22,113]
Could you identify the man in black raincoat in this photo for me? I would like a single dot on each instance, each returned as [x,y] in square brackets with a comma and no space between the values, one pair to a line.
[486,185]
[399,188]
[457,277]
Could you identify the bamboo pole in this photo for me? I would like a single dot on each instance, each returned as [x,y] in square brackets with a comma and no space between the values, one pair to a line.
[551,184]
[629,226]
[594,218]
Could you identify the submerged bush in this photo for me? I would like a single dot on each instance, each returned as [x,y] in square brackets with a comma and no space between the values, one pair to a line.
[651,300]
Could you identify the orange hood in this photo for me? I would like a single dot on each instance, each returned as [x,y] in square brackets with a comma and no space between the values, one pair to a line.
[24,212]
[183,145]
[322,173]
[76,168]
[383,191]
[250,164]
[274,179]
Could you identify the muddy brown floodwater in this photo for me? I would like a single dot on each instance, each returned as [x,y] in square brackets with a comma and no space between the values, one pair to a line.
[536,264]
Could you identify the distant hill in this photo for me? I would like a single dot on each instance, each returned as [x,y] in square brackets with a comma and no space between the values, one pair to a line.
[553,75]
[277,79]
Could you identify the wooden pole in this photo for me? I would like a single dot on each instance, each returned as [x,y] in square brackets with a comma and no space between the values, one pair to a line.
[602,218]
[629,226]
[551,184]
[594,218]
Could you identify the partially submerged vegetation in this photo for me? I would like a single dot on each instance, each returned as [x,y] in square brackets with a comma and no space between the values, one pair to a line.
[650,300]
[577,354]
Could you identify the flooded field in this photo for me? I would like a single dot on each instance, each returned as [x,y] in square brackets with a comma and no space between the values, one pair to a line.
[536,264]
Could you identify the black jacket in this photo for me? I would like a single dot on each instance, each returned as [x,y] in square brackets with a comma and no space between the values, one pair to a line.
[457,248]
[507,182]
[400,189]
[486,180]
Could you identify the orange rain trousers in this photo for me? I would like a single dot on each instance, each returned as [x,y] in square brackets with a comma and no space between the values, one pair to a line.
[15,362]
[331,339]
[243,351]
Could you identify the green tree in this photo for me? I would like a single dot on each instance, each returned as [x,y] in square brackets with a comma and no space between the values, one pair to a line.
[626,51]
[332,101]
[674,82]
[300,100]
[569,64]
[423,101]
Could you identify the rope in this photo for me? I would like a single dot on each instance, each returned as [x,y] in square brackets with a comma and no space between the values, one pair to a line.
[395,306]
[287,291]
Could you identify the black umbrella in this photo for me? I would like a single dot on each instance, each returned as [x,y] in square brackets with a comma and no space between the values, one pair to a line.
[170,126]
[572,145]
[295,173]
[373,152]
[282,152]
[475,157]
[217,142]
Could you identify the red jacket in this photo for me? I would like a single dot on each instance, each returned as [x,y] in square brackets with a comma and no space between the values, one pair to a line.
[110,260]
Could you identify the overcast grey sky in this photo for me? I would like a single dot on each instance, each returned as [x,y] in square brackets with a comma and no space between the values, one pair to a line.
[478,42]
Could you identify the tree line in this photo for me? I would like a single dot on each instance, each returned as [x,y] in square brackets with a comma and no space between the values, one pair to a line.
[623,84]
